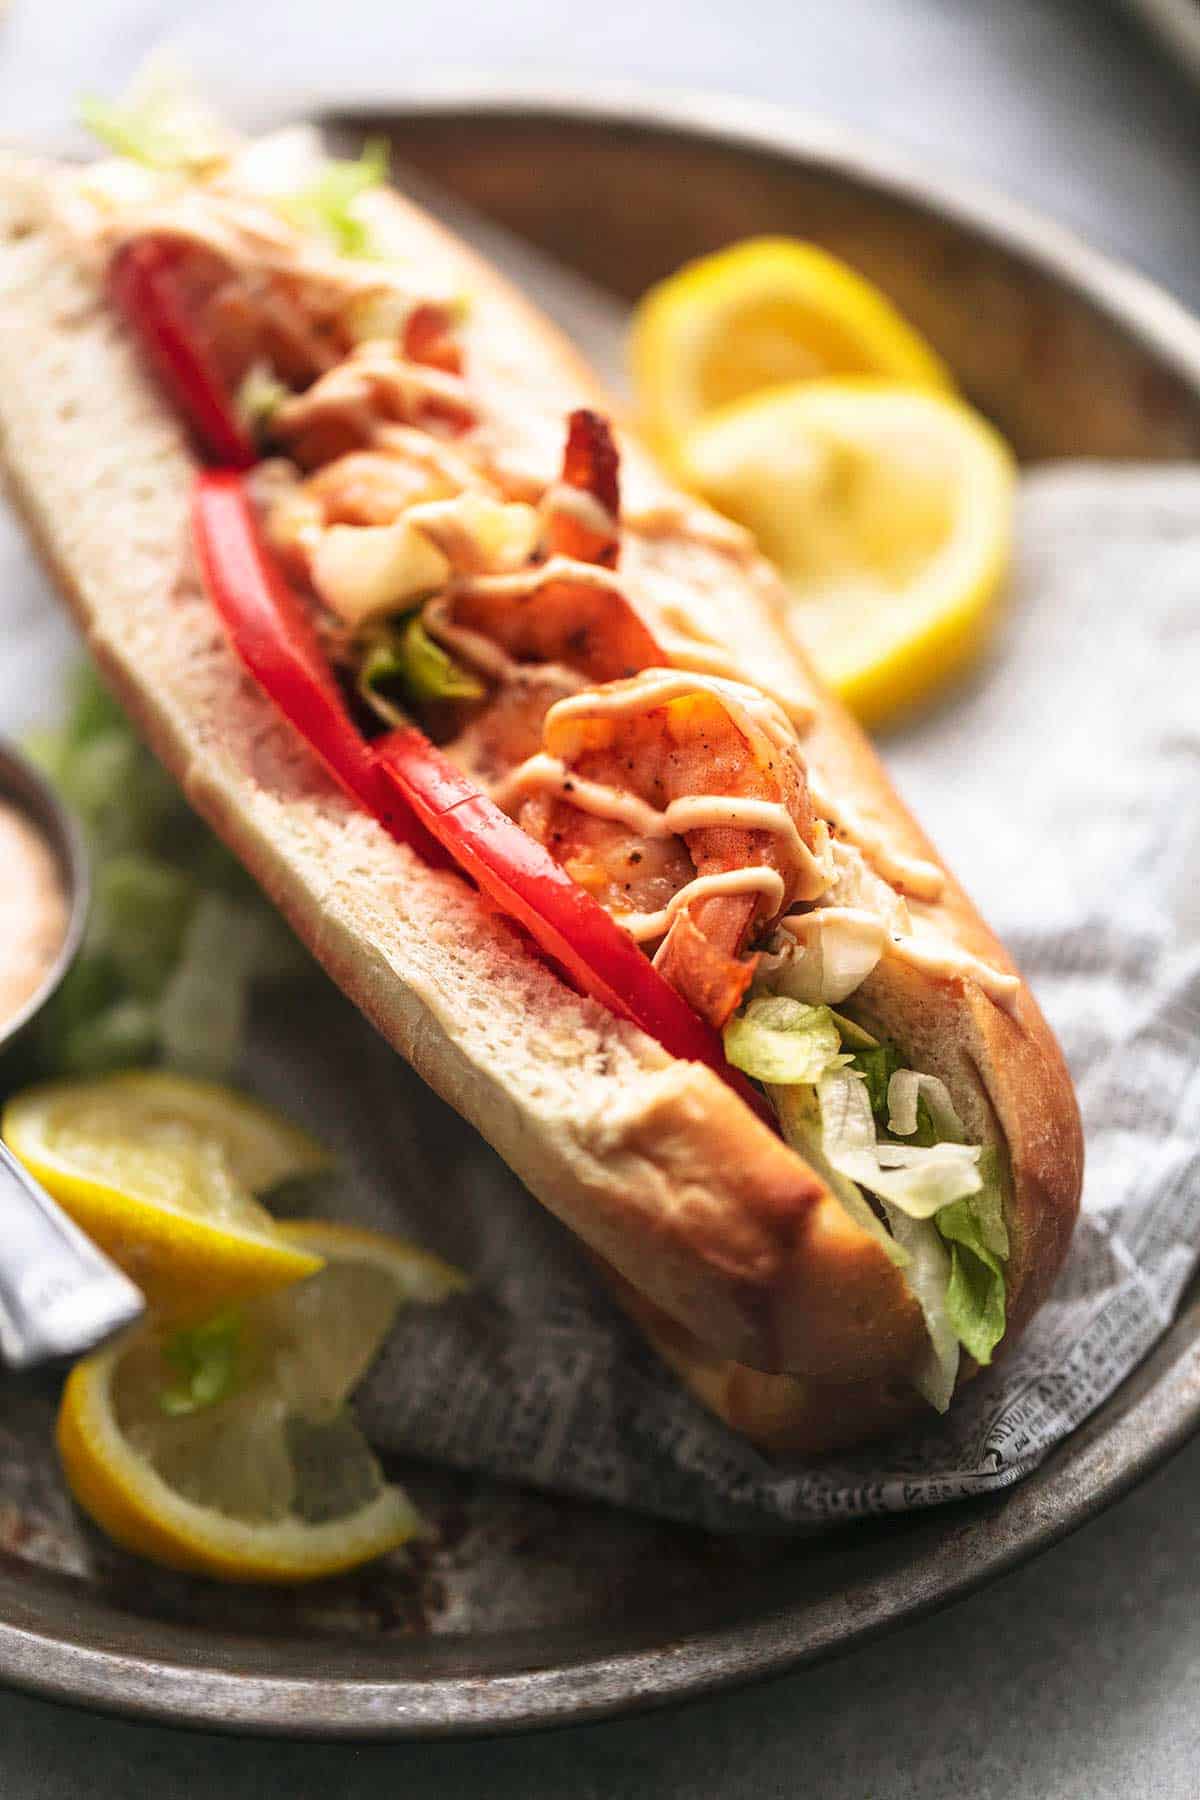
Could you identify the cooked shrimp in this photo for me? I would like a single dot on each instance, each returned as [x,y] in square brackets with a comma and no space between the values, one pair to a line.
[375,385]
[584,507]
[559,624]
[556,613]
[508,730]
[429,338]
[543,616]
[256,317]
[364,487]
[615,760]
[368,487]
[259,298]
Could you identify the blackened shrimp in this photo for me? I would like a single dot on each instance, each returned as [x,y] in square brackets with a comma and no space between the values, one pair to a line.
[560,611]
[584,507]
[681,803]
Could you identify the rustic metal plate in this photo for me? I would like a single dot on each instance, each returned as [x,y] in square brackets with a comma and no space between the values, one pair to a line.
[533,1611]
[1177,25]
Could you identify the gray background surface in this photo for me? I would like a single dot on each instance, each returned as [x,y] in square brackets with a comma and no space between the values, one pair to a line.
[1077,1676]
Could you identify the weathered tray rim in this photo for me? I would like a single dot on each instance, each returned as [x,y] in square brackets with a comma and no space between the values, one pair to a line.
[152,1672]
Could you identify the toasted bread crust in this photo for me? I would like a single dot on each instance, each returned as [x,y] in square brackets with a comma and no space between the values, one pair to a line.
[782,1414]
[655,1164]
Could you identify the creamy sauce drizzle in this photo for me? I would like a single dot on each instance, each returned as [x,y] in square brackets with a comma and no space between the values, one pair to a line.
[581,506]
[922,879]
[346,393]
[437,455]
[756,879]
[254,240]
[454,527]
[691,812]
[945,961]
[749,707]
[705,658]
[667,518]
[33,910]
[484,653]
[522,584]
[935,955]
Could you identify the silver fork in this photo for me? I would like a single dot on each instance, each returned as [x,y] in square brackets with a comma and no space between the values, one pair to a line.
[59,1294]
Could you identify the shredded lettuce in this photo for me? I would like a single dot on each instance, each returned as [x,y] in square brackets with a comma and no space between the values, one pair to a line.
[941,1198]
[854,1036]
[800,1121]
[920,1180]
[172,915]
[975,1298]
[142,906]
[826,957]
[912,1244]
[918,1104]
[784,1042]
[408,667]
[928,1272]
[877,1065]
[328,206]
[158,123]
[202,1008]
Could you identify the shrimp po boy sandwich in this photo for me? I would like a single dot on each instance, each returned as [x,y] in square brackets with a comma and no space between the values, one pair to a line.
[512,734]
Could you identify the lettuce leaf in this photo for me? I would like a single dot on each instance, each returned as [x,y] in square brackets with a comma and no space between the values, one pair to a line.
[409,667]
[158,123]
[920,1110]
[827,955]
[928,1272]
[784,1042]
[877,1066]
[976,1298]
[864,1121]
[173,915]
[328,205]
[800,1122]
[919,1179]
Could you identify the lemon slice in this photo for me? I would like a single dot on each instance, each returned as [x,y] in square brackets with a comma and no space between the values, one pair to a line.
[889,512]
[227,1449]
[162,1171]
[766,312]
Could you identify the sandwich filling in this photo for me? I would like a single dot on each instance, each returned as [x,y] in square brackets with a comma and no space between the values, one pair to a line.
[519,622]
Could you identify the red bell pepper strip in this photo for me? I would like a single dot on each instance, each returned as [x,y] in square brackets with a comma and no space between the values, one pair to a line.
[144,282]
[274,638]
[568,923]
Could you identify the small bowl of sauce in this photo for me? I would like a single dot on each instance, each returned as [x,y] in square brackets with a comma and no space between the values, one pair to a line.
[43,893]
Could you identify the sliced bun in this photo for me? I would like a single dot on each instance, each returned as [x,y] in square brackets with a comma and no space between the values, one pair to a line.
[663,1172]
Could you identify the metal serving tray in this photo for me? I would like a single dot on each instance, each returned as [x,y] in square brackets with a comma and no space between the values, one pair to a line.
[534,1611]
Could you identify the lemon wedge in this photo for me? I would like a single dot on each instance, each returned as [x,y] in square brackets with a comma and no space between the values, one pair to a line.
[162,1171]
[227,1448]
[889,512]
[767,312]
